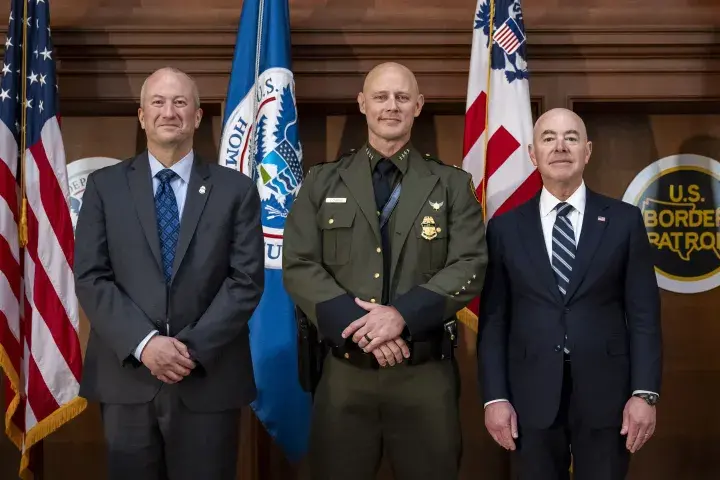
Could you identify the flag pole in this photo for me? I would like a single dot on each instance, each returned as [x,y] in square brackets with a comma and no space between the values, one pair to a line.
[253,124]
[491,32]
[23,128]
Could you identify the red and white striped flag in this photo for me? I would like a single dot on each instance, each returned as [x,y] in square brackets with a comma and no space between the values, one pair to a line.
[498,118]
[40,351]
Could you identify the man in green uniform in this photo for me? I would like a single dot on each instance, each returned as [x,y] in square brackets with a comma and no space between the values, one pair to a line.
[382,247]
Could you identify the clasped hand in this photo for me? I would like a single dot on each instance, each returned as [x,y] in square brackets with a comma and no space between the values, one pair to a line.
[167,359]
[383,326]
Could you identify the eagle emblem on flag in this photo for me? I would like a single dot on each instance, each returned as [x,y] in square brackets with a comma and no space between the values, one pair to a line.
[508,48]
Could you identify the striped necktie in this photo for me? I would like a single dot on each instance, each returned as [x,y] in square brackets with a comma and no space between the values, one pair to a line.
[563,247]
[563,250]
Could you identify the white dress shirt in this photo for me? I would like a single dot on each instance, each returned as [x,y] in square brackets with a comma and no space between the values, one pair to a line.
[179,184]
[548,214]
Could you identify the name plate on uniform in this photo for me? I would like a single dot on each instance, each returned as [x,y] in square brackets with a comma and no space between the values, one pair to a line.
[335,200]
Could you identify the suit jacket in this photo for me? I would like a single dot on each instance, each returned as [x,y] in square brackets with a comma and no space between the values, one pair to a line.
[332,250]
[217,282]
[611,314]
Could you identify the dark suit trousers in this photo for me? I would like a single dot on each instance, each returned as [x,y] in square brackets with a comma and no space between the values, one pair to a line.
[597,454]
[163,440]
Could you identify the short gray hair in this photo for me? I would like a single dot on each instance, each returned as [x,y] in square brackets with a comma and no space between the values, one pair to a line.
[195,90]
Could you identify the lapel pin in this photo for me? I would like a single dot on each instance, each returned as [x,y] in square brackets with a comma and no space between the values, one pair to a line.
[601,219]
[202,190]
[436,205]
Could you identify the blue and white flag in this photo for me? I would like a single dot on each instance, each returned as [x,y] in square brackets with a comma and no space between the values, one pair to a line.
[260,139]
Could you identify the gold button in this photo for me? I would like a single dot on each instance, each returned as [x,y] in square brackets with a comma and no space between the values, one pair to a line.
[438,229]
[331,221]
[372,300]
[468,282]
[377,275]
[378,213]
[378,250]
[347,355]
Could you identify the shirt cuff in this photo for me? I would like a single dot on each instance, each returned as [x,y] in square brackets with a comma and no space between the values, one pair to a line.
[423,310]
[141,346]
[495,401]
[646,391]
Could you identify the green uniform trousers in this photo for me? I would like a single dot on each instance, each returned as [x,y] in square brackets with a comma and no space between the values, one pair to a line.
[409,412]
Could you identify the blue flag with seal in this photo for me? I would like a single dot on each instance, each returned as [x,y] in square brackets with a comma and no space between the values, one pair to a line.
[260,139]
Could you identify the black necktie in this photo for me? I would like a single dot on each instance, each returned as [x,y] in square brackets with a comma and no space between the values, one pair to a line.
[382,185]
[382,182]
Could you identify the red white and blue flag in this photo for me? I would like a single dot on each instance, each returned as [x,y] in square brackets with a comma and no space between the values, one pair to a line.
[40,355]
[498,118]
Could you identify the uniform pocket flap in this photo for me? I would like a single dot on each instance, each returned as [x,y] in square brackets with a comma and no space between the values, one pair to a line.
[333,218]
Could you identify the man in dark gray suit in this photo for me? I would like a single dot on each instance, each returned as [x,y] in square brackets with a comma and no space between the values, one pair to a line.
[169,269]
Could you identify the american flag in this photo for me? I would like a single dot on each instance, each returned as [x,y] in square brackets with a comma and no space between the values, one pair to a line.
[40,351]
[498,118]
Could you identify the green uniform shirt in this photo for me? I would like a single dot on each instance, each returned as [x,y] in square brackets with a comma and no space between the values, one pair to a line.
[332,249]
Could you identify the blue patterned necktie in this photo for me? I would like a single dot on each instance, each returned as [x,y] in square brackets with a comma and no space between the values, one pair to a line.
[168,220]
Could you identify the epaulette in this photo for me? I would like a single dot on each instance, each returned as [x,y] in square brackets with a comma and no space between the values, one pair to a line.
[340,157]
[427,156]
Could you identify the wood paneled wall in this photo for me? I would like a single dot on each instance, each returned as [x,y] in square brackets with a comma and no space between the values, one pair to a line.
[644,74]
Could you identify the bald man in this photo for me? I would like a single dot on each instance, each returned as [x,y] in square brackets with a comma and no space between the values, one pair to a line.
[570,349]
[169,268]
[382,247]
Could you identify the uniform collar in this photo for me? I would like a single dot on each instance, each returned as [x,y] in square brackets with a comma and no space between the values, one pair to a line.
[399,158]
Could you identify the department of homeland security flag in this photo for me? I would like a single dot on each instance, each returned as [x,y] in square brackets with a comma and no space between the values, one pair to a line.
[260,139]
[498,118]
[40,355]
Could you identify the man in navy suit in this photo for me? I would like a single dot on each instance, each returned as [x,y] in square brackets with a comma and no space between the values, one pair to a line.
[570,351]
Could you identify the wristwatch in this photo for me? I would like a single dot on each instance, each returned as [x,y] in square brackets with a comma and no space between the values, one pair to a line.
[650,398]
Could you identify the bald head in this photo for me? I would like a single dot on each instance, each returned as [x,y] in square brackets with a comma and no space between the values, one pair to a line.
[390,101]
[164,72]
[559,115]
[390,69]
[560,150]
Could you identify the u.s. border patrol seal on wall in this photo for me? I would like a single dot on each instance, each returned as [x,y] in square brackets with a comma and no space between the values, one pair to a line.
[78,172]
[679,197]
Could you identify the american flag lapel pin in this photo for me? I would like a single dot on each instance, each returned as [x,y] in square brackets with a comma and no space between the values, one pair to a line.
[601,219]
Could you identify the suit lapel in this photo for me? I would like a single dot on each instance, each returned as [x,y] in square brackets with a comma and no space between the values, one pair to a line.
[417,184]
[592,231]
[358,179]
[140,183]
[531,233]
[197,194]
